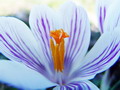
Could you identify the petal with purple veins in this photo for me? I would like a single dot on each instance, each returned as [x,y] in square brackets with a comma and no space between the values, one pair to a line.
[112,19]
[18,43]
[76,24]
[84,85]
[102,7]
[101,57]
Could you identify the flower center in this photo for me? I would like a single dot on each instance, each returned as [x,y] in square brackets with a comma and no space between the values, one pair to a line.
[58,48]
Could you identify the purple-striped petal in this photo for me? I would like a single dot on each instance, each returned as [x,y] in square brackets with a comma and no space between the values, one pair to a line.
[42,20]
[18,43]
[18,75]
[84,85]
[76,24]
[112,19]
[102,56]
[102,7]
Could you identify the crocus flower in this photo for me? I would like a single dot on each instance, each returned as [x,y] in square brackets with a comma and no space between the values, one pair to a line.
[53,52]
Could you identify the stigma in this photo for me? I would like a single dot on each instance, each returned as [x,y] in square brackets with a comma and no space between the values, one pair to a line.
[57,46]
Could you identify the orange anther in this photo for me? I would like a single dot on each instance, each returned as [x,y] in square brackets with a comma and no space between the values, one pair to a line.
[58,35]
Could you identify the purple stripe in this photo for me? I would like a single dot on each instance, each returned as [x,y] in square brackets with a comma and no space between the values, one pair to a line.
[71,44]
[69,39]
[45,31]
[110,58]
[48,24]
[67,46]
[87,86]
[44,49]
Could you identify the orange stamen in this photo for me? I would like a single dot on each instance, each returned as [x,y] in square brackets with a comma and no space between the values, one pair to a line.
[58,35]
[58,49]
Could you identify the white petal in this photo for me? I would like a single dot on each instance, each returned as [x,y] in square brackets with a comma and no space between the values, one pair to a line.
[83,85]
[102,8]
[20,76]
[18,43]
[76,24]
[112,19]
[101,57]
